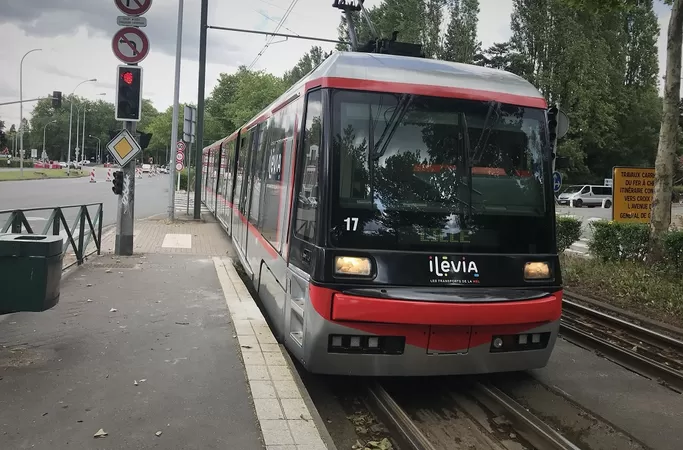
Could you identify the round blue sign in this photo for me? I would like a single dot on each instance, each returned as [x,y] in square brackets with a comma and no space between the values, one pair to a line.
[557,181]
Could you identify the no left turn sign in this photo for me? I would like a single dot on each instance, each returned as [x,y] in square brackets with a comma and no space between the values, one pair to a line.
[130,45]
[133,7]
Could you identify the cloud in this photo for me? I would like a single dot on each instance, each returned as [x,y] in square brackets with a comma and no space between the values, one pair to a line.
[63,18]
[76,42]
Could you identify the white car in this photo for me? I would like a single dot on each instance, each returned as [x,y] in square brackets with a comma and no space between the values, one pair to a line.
[146,168]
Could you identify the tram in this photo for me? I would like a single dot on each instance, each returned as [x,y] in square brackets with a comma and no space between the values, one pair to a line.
[396,216]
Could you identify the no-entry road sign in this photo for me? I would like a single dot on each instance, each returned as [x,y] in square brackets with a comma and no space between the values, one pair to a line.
[133,7]
[130,45]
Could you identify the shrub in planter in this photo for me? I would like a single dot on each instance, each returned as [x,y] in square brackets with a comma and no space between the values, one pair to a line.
[568,231]
[614,241]
[673,251]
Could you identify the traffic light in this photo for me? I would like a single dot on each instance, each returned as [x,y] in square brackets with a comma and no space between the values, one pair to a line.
[144,140]
[56,99]
[129,93]
[117,182]
[552,126]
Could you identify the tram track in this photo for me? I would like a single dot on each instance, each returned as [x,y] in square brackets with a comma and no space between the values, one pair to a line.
[645,351]
[463,415]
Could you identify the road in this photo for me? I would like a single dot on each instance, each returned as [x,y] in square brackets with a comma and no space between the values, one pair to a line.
[151,197]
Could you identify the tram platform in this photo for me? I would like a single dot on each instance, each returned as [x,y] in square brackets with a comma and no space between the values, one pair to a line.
[163,349]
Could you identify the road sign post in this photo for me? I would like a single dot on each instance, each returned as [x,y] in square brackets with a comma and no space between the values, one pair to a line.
[130,45]
[557,181]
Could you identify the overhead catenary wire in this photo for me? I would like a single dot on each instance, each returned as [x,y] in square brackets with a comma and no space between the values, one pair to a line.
[270,41]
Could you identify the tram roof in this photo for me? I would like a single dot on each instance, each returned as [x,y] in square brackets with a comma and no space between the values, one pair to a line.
[382,68]
[391,73]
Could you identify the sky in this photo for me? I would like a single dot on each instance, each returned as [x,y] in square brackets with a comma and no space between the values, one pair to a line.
[75,39]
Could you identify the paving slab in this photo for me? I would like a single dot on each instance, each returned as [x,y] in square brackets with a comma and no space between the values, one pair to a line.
[641,407]
[152,351]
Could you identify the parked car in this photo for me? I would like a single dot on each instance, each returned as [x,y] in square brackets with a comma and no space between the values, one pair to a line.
[586,194]
[146,168]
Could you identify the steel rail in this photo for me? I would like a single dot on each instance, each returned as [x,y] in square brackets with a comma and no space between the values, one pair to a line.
[395,417]
[526,424]
[623,356]
[637,331]
[531,427]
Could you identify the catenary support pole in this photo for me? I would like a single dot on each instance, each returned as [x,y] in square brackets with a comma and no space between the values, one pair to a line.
[126,210]
[174,126]
[189,171]
[200,110]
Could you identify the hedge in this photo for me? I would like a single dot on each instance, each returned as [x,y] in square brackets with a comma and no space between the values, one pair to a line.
[183,179]
[620,242]
[568,231]
[15,163]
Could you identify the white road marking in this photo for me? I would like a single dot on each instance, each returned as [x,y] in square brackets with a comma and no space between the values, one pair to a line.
[177,241]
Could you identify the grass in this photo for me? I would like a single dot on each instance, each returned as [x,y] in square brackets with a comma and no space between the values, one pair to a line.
[40,174]
[628,285]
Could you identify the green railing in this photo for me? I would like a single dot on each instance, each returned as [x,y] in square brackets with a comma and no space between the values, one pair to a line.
[78,238]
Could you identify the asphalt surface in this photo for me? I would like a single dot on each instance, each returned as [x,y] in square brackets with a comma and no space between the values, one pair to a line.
[165,361]
[151,197]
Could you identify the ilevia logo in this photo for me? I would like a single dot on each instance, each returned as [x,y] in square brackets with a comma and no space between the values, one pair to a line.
[453,271]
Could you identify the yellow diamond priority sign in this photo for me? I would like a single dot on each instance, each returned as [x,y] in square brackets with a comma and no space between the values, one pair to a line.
[123,147]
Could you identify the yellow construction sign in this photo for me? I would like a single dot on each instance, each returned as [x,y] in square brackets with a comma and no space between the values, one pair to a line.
[123,147]
[632,192]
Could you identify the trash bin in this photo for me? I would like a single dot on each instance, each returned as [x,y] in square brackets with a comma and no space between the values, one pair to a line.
[30,272]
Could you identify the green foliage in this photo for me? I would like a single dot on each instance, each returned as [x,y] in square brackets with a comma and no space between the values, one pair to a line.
[627,284]
[99,121]
[14,162]
[461,44]
[615,241]
[619,242]
[184,174]
[307,63]
[568,231]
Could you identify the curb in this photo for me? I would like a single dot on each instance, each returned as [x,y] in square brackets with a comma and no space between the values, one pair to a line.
[259,352]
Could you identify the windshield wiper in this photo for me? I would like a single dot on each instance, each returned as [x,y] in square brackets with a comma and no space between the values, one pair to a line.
[389,130]
[494,107]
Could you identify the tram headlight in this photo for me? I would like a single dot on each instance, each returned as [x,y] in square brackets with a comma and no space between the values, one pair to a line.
[352,265]
[536,271]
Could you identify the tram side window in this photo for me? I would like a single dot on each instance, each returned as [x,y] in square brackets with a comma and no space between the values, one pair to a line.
[256,174]
[307,201]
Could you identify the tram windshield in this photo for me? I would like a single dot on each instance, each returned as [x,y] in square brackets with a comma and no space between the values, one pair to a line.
[417,172]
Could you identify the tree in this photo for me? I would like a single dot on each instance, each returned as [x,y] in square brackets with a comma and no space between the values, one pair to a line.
[668,136]
[309,61]
[669,133]
[461,44]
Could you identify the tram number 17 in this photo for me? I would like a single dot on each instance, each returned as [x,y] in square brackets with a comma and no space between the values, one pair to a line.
[351,223]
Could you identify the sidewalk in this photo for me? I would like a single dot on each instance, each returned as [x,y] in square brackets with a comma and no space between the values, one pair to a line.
[152,349]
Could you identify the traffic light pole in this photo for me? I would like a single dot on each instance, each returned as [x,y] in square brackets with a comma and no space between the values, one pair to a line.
[126,208]
[203,27]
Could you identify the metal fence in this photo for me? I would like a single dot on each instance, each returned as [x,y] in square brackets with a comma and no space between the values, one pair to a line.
[77,237]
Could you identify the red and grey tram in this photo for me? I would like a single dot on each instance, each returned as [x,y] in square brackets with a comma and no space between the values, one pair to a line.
[396,216]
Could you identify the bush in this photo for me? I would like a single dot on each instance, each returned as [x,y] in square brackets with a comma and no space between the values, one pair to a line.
[568,231]
[673,251]
[15,163]
[614,241]
[627,284]
[678,193]
[183,179]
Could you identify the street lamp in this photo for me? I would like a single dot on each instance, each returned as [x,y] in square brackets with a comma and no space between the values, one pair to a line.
[78,119]
[83,140]
[21,109]
[44,130]
[99,156]
[71,114]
